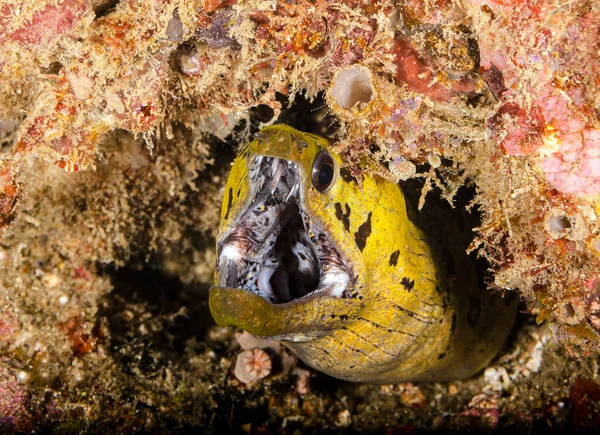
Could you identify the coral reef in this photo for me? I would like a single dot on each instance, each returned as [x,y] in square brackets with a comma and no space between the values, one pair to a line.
[113,117]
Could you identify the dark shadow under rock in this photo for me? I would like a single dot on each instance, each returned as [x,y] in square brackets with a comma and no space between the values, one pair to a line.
[152,317]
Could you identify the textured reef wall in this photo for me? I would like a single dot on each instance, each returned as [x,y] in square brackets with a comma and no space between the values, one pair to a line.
[117,120]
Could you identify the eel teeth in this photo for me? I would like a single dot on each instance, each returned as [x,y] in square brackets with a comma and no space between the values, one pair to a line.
[292,192]
[260,182]
[254,170]
[263,283]
[276,169]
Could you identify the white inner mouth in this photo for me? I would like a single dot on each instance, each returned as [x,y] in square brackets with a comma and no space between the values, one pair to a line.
[274,249]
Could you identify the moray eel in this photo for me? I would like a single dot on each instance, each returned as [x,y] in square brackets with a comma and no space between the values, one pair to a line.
[336,270]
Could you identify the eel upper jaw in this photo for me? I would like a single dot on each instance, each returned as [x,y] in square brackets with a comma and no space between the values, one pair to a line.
[274,249]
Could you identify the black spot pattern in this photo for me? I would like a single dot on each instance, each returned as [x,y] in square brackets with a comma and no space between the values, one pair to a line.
[441,355]
[343,217]
[347,176]
[363,233]
[408,283]
[453,324]
[394,258]
[229,201]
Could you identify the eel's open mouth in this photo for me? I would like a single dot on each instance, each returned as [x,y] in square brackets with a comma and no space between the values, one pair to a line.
[275,249]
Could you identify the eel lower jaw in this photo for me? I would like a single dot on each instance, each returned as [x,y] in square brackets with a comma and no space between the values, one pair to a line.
[297,321]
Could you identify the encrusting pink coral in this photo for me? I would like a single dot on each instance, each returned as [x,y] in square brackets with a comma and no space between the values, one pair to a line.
[252,365]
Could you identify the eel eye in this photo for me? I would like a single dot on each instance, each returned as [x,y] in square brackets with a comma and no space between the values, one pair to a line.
[323,171]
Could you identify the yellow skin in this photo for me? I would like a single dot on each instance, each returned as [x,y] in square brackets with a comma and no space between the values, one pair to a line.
[400,321]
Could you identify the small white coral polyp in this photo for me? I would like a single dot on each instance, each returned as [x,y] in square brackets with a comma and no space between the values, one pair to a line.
[252,365]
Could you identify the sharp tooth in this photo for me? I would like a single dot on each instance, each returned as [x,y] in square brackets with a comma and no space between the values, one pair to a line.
[292,191]
[274,167]
[276,176]
[254,172]
[263,283]
[259,186]
[260,182]
[289,164]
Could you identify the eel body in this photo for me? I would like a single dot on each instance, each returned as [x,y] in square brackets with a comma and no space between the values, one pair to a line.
[335,270]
